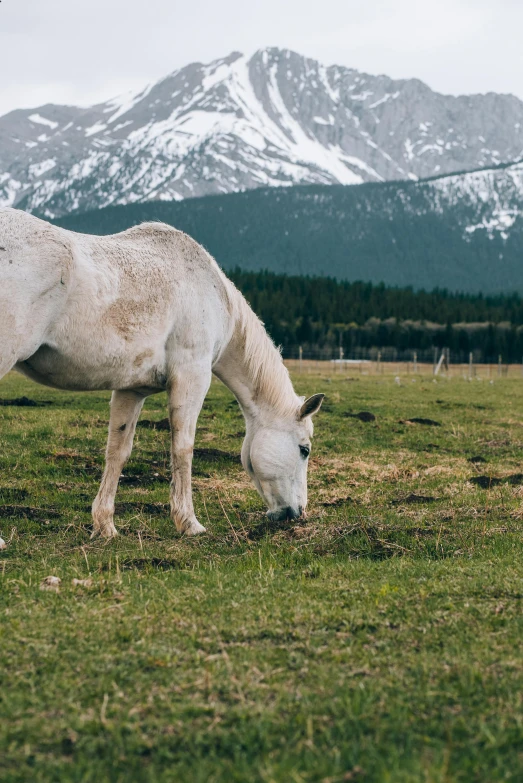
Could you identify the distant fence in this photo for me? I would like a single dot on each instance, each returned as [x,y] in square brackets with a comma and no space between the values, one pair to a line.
[389,354]
[443,363]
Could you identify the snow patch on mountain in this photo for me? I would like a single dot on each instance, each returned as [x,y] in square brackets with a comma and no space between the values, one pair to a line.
[42,121]
[493,197]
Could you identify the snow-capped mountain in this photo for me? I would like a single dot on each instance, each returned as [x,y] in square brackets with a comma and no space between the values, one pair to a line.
[235,124]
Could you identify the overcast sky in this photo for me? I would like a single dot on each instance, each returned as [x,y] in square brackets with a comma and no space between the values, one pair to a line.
[84,51]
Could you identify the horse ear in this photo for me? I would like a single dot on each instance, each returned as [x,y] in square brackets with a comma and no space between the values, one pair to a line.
[311,406]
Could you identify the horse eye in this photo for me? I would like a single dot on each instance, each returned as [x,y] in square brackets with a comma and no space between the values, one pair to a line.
[305,451]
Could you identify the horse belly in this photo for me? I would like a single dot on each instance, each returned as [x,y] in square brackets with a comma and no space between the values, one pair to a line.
[140,369]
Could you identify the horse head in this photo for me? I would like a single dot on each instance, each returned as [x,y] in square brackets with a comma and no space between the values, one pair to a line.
[275,454]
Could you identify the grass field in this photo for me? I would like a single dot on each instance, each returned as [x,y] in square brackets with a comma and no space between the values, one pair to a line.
[378,640]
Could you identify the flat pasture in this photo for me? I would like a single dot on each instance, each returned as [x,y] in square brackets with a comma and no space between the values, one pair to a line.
[379,639]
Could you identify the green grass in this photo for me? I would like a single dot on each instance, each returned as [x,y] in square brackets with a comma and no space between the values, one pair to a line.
[379,640]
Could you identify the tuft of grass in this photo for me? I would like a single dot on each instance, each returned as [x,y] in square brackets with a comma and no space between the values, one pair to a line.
[379,639]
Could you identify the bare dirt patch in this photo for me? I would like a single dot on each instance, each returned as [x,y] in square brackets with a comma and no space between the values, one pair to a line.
[365,416]
[13,495]
[29,512]
[485,482]
[74,462]
[421,420]
[25,402]
[413,498]
[162,424]
[142,508]
[144,563]
[215,455]
[138,478]
[336,502]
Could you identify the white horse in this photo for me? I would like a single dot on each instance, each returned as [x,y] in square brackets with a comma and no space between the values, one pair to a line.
[140,312]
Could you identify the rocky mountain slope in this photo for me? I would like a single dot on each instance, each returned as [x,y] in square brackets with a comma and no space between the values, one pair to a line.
[235,124]
[462,232]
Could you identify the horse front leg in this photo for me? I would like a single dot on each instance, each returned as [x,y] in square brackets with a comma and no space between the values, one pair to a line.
[125,410]
[186,395]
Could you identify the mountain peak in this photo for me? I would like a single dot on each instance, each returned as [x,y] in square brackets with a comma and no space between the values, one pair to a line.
[236,123]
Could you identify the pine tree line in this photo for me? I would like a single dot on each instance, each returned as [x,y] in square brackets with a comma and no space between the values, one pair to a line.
[322,313]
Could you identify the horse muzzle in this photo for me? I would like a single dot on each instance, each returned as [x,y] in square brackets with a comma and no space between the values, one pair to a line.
[283,514]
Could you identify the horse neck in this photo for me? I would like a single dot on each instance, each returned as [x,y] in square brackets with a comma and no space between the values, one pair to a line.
[252,368]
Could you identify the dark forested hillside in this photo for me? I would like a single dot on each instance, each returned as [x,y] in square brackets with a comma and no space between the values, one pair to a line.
[462,233]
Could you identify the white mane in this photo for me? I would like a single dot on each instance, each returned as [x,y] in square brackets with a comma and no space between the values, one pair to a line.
[263,361]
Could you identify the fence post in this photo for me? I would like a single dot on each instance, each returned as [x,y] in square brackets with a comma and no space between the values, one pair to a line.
[499,366]
[341,359]
[415,362]
[470,366]
[301,358]
[378,360]
[435,361]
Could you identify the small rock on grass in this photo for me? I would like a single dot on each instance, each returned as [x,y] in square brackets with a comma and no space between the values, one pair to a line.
[51,583]
[83,582]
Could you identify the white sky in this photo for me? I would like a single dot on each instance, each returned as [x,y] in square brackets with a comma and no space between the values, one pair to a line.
[84,51]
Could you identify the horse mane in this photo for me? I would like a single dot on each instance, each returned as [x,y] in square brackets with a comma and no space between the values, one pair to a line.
[262,359]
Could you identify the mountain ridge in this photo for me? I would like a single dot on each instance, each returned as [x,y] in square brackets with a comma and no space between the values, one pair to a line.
[237,123]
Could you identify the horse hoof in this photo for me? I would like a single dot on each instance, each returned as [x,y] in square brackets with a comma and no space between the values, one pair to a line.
[107,533]
[194,529]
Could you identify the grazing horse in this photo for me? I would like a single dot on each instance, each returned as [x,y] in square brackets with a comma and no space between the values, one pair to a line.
[141,312]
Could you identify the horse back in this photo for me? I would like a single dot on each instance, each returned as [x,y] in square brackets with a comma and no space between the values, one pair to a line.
[120,311]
